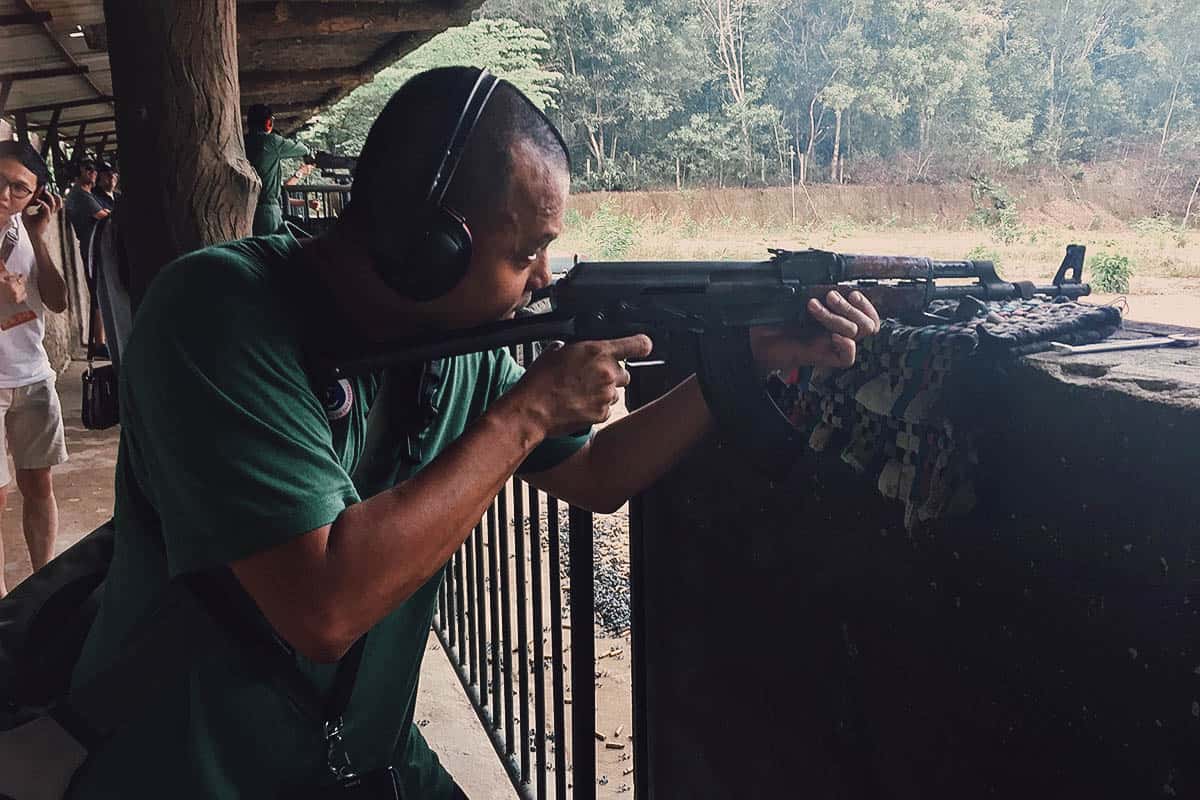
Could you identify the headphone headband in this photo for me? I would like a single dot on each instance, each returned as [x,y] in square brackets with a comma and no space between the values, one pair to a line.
[468,118]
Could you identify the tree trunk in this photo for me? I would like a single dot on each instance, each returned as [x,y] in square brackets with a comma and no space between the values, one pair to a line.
[184,172]
[1188,214]
[1162,145]
[837,144]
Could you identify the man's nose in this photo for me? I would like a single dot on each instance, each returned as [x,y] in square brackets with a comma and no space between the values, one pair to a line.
[539,276]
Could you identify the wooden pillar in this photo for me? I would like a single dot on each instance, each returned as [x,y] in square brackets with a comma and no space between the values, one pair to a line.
[185,177]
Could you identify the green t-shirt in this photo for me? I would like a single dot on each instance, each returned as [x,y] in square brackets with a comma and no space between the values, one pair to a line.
[226,450]
[266,152]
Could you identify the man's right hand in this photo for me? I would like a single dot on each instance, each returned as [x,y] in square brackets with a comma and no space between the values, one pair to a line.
[576,385]
[12,286]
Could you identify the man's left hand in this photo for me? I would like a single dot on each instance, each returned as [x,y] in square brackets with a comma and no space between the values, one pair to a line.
[828,338]
[40,211]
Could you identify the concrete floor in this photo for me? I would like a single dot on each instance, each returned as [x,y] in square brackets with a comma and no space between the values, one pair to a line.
[84,488]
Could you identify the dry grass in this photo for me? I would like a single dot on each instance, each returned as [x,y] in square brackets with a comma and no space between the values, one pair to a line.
[1166,261]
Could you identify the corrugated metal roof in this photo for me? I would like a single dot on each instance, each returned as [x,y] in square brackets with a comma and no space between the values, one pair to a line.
[299,57]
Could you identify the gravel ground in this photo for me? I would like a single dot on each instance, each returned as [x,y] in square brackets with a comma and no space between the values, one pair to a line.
[610,547]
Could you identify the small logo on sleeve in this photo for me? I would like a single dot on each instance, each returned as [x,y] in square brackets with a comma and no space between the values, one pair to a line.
[339,399]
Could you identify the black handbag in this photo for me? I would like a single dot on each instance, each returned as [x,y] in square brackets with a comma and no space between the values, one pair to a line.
[100,408]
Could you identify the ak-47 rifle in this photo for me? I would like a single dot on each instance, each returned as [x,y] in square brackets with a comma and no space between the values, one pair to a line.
[717,302]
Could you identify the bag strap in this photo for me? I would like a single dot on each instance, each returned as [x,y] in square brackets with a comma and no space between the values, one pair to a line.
[197,615]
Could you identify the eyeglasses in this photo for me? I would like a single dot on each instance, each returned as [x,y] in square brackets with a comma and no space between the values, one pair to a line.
[19,191]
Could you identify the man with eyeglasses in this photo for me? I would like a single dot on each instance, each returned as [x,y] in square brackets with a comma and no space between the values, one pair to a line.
[30,283]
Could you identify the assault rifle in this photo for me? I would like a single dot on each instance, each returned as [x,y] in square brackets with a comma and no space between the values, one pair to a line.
[715,303]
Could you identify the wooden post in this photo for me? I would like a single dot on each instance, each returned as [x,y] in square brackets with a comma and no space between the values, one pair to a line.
[78,150]
[51,134]
[678,175]
[184,172]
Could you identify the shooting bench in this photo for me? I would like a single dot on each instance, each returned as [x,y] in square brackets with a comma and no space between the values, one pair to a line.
[793,639]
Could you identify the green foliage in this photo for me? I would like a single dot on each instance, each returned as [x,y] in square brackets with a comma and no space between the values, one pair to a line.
[1110,272]
[981,253]
[510,50]
[995,209]
[730,93]
[1154,225]
[610,233]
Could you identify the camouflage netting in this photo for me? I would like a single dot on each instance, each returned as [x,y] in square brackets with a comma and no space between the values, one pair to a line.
[888,413]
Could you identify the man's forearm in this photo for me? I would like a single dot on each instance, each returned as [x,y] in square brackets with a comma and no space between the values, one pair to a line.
[629,455]
[51,285]
[380,551]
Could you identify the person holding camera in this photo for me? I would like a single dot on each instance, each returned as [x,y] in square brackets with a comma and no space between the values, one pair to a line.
[30,284]
[333,504]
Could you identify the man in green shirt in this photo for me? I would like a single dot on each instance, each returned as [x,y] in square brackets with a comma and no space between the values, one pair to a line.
[266,151]
[337,506]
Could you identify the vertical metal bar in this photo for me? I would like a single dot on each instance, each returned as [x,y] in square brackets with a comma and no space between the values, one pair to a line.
[494,644]
[460,610]
[472,620]
[522,626]
[539,650]
[506,620]
[451,598]
[441,601]
[481,615]
[637,571]
[556,653]
[583,655]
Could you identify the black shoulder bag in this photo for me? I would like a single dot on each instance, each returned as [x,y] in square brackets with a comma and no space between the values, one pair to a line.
[100,410]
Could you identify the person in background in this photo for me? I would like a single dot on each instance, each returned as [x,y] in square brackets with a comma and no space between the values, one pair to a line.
[105,190]
[84,210]
[30,283]
[266,151]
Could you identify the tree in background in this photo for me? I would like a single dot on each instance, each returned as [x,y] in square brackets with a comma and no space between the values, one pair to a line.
[510,50]
[627,69]
[725,92]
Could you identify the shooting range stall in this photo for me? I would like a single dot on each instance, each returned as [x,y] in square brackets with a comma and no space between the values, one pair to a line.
[791,639]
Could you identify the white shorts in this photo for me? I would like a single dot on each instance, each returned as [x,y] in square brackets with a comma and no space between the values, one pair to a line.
[33,428]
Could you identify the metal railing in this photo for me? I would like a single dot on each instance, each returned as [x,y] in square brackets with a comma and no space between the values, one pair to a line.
[314,207]
[475,620]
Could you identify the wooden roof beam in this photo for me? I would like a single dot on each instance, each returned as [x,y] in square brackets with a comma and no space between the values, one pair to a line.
[60,47]
[94,101]
[284,82]
[67,123]
[282,20]
[34,74]
[24,18]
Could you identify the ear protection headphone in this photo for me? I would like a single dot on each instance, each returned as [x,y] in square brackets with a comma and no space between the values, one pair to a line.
[438,251]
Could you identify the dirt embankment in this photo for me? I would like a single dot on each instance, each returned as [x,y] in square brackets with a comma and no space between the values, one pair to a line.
[1089,203]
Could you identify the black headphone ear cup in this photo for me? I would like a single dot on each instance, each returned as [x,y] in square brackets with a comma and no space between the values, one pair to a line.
[436,262]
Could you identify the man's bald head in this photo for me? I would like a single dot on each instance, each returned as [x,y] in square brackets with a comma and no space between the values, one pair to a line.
[410,137]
